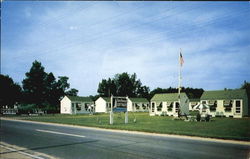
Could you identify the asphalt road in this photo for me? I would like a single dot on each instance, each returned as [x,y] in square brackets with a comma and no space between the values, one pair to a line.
[77,143]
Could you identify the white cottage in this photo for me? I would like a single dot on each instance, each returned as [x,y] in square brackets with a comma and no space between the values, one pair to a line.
[76,105]
[229,103]
[103,105]
[168,104]
[138,105]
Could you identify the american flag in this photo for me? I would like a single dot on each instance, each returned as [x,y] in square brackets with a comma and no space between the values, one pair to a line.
[181,59]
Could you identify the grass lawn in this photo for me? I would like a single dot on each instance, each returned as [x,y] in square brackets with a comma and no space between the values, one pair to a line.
[225,128]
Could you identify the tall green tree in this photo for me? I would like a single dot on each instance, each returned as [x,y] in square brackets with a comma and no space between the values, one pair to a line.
[123,84]
[51,91]
[10,92]
[34,85]
[107,88]
[43,90]
[246,85]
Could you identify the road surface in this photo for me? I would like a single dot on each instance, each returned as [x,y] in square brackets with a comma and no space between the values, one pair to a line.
[76,143]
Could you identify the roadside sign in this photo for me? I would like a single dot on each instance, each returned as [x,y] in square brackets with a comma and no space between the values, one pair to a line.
[119,104]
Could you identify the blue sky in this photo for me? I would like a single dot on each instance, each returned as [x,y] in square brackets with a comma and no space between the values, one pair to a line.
[89,41]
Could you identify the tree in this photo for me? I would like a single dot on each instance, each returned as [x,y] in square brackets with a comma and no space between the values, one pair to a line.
[10,92]
[123,85]
[52,96]
[193,92]
[143,91]
[43,90]
[63,83]
[34,85]
[246,85]
[107,87]
[72,92]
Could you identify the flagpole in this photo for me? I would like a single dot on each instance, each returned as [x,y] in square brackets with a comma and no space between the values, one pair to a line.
[179,85]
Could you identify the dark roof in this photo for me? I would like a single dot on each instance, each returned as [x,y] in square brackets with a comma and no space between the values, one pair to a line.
[139,100]
[224,94]
[166,97]
[80,99]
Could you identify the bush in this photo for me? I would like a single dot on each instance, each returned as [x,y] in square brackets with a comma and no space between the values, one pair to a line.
[207,118]
[198,117]
[26,108]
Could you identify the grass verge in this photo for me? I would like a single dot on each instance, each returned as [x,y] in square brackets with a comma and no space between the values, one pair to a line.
[223,128]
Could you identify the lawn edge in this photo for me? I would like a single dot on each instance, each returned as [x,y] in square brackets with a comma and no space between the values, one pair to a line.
[198,138]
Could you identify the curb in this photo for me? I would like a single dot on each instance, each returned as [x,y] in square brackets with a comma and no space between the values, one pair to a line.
[137,132]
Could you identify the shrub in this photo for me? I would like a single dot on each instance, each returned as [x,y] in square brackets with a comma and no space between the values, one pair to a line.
[198,117]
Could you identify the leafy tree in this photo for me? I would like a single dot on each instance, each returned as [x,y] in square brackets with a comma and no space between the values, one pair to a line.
[107,87]
[123,85]
[143,91]
[63,83]
[43,90]
[246,85]
[34,85]
[10,92]
[193,92]
[72,92]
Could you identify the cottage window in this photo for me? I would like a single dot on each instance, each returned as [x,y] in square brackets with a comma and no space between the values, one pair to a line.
[86,106]
[204,102]
[213,106]
[159,107]
[153,107]
[78,106]
[137,106]
[177,105]
[228,105]
[237,106]
[144,106]
[170,106]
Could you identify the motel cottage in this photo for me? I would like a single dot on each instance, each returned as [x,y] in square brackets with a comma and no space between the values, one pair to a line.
[103,105]
[76,105]
[229,103]
[168,104]
[138,105]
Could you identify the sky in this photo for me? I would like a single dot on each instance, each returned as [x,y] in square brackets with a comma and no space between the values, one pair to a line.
[88,41]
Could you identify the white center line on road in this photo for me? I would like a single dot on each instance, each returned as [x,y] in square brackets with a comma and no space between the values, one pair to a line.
[60,133]
[24,153]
